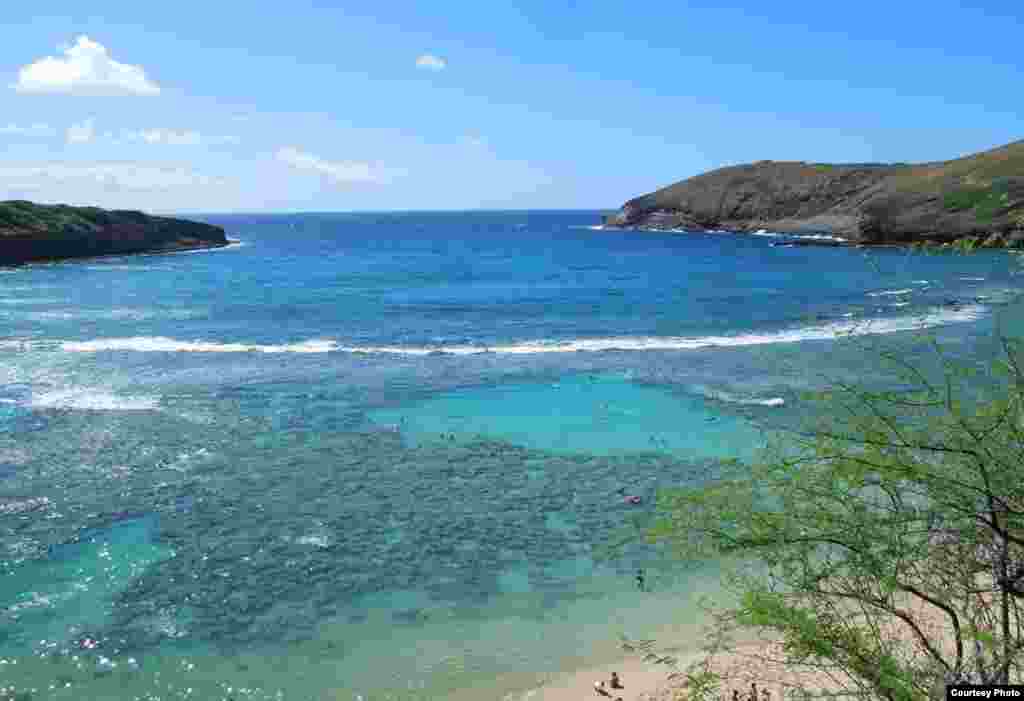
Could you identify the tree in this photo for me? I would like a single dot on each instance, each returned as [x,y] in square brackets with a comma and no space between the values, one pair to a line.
[887,543]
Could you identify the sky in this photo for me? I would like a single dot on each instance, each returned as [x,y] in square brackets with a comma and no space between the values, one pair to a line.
[253,106]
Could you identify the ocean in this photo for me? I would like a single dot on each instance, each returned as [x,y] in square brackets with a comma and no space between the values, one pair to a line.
[407,455]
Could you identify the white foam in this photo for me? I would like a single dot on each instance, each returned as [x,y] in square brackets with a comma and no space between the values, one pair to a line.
[319,540]
[899,304]
[808,237]
[231,245]
[735,399]
[19,345]
[49,316]
[890,292]
[973,279]
[26,301]
[92,400]
[921,282]
[818,237]
[160,344]
[182,463]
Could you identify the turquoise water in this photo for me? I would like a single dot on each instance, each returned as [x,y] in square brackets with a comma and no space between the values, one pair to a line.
[384,455]
[589,413]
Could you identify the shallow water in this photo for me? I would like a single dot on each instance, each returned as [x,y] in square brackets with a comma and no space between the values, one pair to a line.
[386,455]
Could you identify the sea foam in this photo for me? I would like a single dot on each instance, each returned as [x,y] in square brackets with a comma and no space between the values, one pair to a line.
[730,398]
[886,293]
[92,400]
[146,344]
[160,344]
[818,237]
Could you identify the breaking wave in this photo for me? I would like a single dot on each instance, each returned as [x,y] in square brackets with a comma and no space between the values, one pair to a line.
[830,331]
[159,344]
[886,293]
[730,398]
[818,237]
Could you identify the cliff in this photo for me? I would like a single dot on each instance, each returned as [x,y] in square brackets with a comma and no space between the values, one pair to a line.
[31,232]
[980,196]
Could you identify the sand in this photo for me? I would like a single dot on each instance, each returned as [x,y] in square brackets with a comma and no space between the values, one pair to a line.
[642,681]
[748,661]
[754,658]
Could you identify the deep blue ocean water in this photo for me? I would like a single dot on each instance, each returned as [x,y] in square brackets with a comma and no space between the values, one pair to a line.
[384,455]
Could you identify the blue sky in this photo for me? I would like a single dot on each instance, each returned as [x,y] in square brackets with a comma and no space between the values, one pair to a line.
[260,106]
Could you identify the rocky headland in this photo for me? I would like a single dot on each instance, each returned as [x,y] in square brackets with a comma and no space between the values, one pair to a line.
[976,200]
[35,232]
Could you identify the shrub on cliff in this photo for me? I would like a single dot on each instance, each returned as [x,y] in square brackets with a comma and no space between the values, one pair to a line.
[886,546]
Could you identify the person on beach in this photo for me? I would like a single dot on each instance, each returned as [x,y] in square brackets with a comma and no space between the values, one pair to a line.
[735,695]
[640,584]
[766,695]
[616,683]
[753,692]
[599,688]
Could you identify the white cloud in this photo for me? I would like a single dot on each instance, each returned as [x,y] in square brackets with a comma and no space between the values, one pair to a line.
[85,131]
[431,62]
[110,176]
[36,129]
[171,137]
[338,172]
[81,133]
[85,69]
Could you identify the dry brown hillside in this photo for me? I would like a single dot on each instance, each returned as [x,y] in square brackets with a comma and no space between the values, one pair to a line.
[980,195]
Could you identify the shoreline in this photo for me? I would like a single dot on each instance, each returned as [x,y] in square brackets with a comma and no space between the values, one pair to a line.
[641,681]
[190,248]
[822,239]
[751,659]
[746,656]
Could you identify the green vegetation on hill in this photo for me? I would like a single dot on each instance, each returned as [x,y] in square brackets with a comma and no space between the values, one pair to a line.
[19,215]
[30,231]
[985,200]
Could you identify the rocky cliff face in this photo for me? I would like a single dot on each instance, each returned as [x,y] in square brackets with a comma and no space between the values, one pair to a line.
[978,196]
[31,232]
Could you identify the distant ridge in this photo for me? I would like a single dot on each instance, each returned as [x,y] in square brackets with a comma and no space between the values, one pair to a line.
[32,232]
[980,196]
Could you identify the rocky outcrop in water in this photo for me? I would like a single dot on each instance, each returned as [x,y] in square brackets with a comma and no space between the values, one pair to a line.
[978,197]
[33,232]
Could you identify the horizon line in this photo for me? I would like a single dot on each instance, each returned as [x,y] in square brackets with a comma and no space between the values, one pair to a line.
[376,211]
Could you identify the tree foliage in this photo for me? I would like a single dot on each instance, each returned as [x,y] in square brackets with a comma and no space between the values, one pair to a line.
[888,543]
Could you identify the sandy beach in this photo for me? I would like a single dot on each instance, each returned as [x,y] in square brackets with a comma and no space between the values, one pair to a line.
[747,662]
[642,681]
[751,657]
